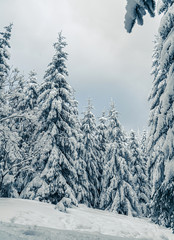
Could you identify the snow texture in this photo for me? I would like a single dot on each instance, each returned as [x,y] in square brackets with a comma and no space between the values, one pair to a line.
[41,221]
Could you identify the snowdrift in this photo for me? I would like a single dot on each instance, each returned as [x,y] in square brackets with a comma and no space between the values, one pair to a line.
[26,219]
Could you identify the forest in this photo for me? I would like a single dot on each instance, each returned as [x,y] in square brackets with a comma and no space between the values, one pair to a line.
[49,153]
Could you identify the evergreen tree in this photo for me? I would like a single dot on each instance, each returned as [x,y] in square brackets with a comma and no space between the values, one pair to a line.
[138,169]
[102,140]
[10,161]
[160,142]
[83,185]
[102,137]
[156,159]
[54,149]
[90,154]
[162,207]
[82,194]
[26,107]
[161,119]
[145,155]
[118,192]
[10,152]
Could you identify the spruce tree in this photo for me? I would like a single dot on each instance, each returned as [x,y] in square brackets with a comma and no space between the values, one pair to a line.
[54,150]
[139,172]
[162,206]
[90,154]
[83,185]
[161,119]
[145,156]
[156,159]
[82,193]
[102,137]
[118,194]
[160,141]
[11,161]
[27,108]
[10,152]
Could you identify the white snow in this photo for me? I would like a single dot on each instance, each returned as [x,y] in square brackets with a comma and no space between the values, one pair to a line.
[78,223]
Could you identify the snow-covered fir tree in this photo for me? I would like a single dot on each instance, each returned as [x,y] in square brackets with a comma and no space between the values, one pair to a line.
[90,154]
[139,172]
[102,140]
[156,160]
[145,154]
[161,143]
[27,105]
[102,137]
[162,206]
[118,194]
[54,146]
[82,193]
[10,152]
[83,184]
[11,160]
[27,108]
[135,11]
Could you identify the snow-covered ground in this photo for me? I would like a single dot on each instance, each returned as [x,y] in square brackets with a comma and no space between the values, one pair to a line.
[43,222]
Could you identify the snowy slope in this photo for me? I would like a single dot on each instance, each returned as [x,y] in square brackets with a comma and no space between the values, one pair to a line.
[43,221]
[21,232]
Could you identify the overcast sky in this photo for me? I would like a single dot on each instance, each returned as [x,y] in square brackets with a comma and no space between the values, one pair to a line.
[104,63]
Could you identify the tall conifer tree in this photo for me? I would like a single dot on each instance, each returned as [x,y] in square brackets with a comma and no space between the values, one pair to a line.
[161,135]
[160,142]
[118,194]
[91,154]
[102,136]
[10,152]
[138,169]
[54,149]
